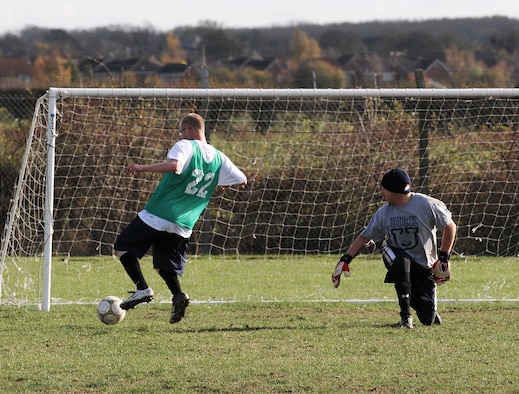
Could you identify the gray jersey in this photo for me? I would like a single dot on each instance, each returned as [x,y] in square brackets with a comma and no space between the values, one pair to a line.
[411,227]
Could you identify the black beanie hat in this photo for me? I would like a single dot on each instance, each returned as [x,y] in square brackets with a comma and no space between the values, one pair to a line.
[397,181]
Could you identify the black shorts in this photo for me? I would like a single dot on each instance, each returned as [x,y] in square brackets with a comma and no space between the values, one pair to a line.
[423,292]
[423,289]
[169,250]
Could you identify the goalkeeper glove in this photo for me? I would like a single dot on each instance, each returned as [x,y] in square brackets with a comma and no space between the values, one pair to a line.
[342,267]
[441,269]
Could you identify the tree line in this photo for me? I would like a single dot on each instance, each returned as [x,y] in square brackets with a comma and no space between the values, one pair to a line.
[479,52]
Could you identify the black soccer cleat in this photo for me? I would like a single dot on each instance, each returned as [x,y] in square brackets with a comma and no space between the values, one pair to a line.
[138,297]
[180,303]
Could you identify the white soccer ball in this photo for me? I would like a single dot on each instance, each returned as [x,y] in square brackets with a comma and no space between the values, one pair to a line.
[109,310]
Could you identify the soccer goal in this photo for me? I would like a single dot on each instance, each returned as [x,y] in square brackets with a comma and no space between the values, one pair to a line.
[314,159]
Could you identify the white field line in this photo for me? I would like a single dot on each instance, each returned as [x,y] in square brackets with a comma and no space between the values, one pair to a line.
[346,301]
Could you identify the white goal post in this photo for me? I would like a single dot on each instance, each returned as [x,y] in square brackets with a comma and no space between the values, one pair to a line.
[313,157]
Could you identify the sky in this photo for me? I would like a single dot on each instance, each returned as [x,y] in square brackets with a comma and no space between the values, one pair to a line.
[165,15]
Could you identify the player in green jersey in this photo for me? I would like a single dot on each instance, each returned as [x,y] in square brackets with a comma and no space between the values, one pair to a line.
[191,172]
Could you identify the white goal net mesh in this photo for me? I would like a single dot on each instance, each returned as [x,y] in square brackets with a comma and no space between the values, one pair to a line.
[313,158]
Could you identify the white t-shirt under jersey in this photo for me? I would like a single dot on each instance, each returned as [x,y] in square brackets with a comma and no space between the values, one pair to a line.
[183,151]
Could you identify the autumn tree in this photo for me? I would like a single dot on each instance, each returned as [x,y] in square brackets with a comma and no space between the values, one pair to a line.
[468,71]
[173,53]
[53,70]
[303,47]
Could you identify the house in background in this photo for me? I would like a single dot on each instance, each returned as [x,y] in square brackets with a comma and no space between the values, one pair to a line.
[361,71]
[114,69]
[376,71]
[437,74]
[273,66]
[172,74]
[16,73]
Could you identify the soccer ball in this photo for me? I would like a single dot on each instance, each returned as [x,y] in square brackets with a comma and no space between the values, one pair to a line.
[109,310]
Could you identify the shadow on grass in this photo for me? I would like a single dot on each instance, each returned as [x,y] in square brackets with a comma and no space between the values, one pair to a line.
[245,328]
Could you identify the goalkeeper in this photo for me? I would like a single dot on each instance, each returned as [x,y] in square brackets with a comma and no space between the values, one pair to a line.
[191,172]
[407,226]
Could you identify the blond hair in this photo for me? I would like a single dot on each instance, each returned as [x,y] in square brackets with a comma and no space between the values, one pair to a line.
[193,120]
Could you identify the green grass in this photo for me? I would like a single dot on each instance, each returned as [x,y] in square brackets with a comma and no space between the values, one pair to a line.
[313,339]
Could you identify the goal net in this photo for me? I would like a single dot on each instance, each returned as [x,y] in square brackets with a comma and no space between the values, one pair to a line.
[314,159]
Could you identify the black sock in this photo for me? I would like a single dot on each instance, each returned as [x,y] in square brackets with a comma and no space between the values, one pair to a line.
[172,281]
[403,292]
[133,269]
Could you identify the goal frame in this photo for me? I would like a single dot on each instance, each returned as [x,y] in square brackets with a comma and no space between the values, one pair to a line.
[54,93]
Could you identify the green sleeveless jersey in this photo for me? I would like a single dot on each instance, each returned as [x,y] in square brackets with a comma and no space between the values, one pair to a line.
[181,198]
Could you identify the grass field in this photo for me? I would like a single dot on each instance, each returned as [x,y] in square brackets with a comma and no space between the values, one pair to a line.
[261,325]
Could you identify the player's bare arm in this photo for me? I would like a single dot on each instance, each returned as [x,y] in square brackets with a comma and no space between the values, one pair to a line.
[165,166]
[448,237]
[223,187]
[358,244]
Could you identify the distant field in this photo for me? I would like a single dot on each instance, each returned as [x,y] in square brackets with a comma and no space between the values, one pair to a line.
[266,326]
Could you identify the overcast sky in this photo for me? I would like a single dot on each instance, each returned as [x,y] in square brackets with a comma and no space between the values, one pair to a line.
[166,15]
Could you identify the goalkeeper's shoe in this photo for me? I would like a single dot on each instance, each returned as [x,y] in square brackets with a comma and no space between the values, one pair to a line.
[138,297]
[406,322]
[180,303]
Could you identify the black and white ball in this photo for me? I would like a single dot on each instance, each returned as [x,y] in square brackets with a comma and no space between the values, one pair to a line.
[109,310]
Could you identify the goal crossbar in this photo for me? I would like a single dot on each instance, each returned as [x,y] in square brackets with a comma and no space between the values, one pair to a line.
[285,93]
